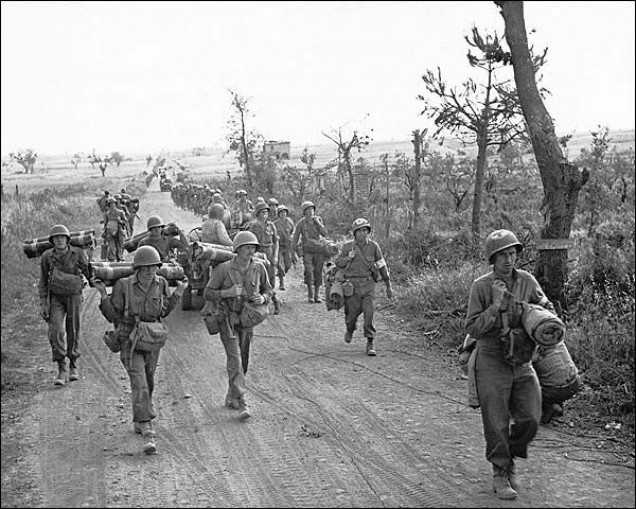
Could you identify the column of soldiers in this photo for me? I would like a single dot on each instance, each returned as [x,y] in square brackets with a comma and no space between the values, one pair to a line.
[507,387]
[119,213]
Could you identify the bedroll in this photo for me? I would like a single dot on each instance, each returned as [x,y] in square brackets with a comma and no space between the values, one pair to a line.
[34,248]
[109,272]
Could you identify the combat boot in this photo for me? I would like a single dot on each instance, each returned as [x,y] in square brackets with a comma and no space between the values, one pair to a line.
[512,475]
[501,483]
[281,284]
[317,298]
[276,304]
[370,350]
[60,379]
[150,447]
[73,373]
[145,429]
[244,410]
[310,295]
[231,402]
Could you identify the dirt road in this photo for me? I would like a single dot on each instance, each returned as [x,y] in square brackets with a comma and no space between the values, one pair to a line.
[331,427]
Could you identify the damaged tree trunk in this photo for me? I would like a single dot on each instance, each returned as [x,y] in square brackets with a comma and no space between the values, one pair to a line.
[561,180]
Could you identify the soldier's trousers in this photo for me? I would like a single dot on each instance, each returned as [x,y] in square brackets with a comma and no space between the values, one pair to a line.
[506,392]
[361,302]
[64,327]
[141,367]
[313,263]
[236,341]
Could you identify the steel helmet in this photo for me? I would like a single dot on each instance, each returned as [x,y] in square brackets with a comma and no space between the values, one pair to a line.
[117,196]
[260,206]
[361,222]
[216,211]
[272,201]
[146,255]
[501,239]
[111,200]
[306,205]
[241,192]
[154,221]
[59,229]
[260,199]
[281,208]
[244,238]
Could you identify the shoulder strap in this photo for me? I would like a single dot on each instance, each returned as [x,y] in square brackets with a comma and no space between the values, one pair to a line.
[127,295]
[364,260]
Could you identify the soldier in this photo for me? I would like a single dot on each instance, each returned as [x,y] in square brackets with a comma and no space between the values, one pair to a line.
[286,256]
[506,388]
[115,225]
[267,236]
[146,297]
[102,201]
[217,197]
[310,228]
[232,283]
[213,230]
[60,291]
[362,265]
[273,208]
[164,244]
[242,210]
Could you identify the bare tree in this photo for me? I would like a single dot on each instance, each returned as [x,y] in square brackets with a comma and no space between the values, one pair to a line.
[483,114]
[76,159]
[25,158]
[243,141]
[561,180]
[358,141]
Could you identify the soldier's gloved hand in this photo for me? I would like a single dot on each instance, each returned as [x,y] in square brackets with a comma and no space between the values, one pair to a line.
[498,292]
[258,299]
[100,286]
[45,309]
[181,286]
[352,254]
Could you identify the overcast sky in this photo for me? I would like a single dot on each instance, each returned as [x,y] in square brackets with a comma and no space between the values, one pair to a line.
[147,76]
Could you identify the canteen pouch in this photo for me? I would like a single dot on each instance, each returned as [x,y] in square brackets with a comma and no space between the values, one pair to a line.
[62,283]
[212,324]
[111,340]
[347,288]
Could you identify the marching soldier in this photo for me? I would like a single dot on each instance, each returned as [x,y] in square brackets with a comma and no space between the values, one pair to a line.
[362,265]
[60,291]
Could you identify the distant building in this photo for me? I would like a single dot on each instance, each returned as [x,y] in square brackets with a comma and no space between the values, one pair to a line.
[277,148]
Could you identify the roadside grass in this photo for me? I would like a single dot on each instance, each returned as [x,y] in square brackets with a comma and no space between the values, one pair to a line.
[28,216]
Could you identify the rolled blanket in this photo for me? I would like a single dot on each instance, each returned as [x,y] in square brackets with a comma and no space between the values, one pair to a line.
[132,243]
[555,367]
[34,248]
[542,325]
[203,251]
[109,272]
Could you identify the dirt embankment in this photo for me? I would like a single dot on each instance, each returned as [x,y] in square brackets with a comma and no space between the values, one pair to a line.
[331,426]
